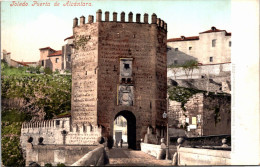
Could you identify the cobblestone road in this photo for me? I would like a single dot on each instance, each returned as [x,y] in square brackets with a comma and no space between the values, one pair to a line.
[128,157]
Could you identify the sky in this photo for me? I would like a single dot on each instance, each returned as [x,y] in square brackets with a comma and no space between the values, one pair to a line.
[25,29]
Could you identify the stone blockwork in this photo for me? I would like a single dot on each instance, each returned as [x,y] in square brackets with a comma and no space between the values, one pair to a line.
[11,103]
[55,154]
[60,132]
[212,78]
[195,156]
[99,48]
[205,115]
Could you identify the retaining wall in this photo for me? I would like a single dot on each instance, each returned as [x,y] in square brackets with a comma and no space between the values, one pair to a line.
[195,156]
[155,150]
[96,157]
[54,154]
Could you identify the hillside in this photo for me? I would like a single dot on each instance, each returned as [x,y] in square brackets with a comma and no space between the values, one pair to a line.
[28,95]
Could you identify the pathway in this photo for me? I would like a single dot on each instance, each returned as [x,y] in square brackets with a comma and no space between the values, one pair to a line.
[128,157]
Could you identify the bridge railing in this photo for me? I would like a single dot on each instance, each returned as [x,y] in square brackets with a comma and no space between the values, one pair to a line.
[219,155]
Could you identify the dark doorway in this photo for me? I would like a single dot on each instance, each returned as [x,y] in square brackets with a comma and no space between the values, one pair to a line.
[131,127]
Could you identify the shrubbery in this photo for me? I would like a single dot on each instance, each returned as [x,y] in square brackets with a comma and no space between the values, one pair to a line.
[11,130]
[48,93]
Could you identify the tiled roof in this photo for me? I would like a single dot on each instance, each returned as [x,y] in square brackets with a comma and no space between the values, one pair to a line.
[183,38]
[57,53]
[214,29]
[22,63]
[71,37]
[30,62]
[47,48]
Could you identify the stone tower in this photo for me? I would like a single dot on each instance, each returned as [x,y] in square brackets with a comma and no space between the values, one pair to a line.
[119,68]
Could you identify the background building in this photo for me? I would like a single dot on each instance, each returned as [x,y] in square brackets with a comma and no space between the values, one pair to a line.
[57,60]
[210,47]
[6,57]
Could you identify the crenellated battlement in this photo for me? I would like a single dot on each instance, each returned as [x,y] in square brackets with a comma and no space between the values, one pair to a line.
[154,20]
[38,124]
[59,131]
[59,124]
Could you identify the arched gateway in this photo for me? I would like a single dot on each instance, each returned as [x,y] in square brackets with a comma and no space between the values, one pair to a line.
[119,68]
[131,127]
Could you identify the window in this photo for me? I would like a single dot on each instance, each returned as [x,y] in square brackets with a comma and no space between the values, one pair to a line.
[176,49]
[57,122]
[69,57]
[175,61]
[214,42]
[42,62]
[126,66]
[229,44]
[190,48]
[211,59]
[57,60]
[128,80]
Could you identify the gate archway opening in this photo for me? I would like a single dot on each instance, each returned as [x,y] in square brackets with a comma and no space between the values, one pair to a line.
[125,128]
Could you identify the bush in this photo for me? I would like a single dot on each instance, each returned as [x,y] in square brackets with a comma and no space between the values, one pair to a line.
[48,165]
[61,164]
[13,115]
[47,70]
[51,94]
[11,151]
[56,71]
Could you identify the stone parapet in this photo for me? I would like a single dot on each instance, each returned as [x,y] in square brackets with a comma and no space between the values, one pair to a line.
[54,154]
[195,156]
[59,131]
[97,157]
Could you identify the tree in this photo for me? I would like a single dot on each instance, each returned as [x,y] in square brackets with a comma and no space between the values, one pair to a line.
[175,68]
[189,66]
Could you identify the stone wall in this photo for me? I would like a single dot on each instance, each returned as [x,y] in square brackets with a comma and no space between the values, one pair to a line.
[97,79]
[10,103]
[96,157]
[66,55]
[183,54]
[195,156]
[84,74]
[7,57]
[44,52]
[155,150]
[54,154]
[60,132]
[215,140]
[204,115]
[217,115]
[56,65]
[213,70]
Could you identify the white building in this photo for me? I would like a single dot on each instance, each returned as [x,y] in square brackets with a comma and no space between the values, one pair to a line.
[210,47]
